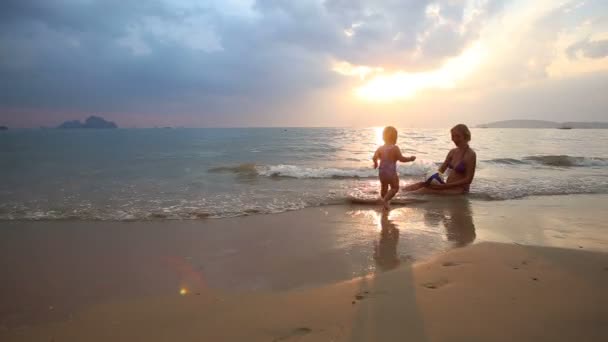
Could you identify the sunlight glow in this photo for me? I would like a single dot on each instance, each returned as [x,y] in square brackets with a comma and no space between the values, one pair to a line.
[402,85]
[378,135]
[348,69]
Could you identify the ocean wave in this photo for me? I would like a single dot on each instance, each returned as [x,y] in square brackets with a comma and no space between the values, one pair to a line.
[564,160]
[509,189]
[192,211]
[506,161]
[553,160]
[484,189]
[246,168]
[200,204]
[302,172]
[520,193]
[185,211]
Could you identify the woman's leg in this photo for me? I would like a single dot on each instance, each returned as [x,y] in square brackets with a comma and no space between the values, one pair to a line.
[414,187]
[429,191]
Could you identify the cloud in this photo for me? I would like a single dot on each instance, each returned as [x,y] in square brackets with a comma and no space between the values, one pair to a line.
[245,61]
[589,48]
[108,54]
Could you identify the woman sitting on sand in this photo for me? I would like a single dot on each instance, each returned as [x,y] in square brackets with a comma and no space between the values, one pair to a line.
[461,161]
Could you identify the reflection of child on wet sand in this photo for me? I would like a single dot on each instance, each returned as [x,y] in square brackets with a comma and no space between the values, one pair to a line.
[385,251]
[389,154]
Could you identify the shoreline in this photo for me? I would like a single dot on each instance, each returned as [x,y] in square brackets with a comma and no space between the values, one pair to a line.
[367,202]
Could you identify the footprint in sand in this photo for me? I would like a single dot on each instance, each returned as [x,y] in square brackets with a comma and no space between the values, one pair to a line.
[361,295]
[450,264]
[295,332]
[365,294]
[435,284]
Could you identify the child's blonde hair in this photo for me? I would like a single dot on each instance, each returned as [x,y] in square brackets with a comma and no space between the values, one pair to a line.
[389,135]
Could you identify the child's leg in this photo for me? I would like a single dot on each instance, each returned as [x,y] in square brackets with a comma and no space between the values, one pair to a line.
[383,189]
[393,191]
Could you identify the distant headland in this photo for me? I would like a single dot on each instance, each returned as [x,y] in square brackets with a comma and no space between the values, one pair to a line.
[544,124]
[90,122]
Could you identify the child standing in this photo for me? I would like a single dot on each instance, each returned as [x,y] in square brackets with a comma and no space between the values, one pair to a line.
[389,154]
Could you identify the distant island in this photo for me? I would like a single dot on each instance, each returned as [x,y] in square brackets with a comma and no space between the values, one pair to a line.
[3,128]
[90,122]
[544,124]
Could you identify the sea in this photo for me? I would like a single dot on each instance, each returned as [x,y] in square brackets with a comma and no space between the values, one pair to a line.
[195,174]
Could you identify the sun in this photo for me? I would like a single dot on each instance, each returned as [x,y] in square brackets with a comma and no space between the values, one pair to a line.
[400,85]
[386,88]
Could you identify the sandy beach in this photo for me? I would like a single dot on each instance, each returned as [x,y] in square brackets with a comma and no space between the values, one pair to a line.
[284,171]
[433,271]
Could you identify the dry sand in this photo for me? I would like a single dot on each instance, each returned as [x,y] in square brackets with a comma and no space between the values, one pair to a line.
[484,292]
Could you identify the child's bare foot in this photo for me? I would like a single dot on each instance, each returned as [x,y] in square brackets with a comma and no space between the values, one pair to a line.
[386,205]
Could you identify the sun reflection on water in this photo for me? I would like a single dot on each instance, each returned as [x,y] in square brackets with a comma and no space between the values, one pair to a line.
[378,136]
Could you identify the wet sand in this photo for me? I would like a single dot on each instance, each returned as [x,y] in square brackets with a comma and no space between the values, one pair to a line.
[297,275]
[484,292]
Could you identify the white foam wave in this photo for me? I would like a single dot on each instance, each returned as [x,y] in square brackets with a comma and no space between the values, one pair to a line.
[293,171]
[553,160]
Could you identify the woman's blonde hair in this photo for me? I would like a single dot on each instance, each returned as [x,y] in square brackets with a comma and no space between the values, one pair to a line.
[389,135]
[464,130]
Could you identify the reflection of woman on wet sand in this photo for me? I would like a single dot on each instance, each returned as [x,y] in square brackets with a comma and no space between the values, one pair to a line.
[457,218]
[385,251]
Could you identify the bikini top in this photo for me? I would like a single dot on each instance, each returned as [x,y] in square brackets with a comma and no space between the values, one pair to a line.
[461,166]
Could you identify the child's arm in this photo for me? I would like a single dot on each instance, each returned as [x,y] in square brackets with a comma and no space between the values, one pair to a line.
[403,159]
[375,158]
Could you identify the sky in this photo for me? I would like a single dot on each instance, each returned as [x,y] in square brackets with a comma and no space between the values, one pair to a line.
[333,63]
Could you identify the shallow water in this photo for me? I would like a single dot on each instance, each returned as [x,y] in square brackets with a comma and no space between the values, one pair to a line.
[157,174]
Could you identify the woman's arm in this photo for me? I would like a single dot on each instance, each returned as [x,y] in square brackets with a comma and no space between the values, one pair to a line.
[445,164]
